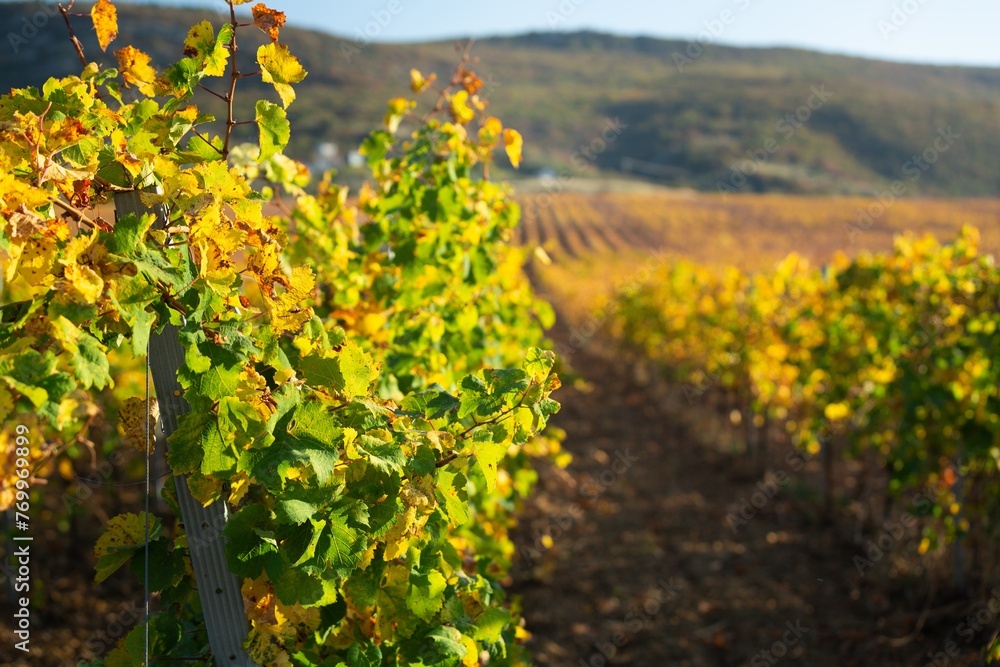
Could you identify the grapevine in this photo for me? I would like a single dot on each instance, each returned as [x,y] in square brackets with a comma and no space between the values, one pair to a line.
[366,378]
[888,357]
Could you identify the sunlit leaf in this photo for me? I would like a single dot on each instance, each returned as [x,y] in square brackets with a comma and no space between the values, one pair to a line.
[105,18]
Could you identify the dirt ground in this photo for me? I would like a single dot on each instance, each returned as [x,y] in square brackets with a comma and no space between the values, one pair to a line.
[628,557]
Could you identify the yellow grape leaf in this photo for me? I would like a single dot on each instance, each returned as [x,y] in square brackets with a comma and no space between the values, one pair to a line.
[259,601]
[238,487]
[490,131]
[273,625]
[105,18]
[202,44]
[471,658]
[397,108]
[132,416]
[408,524]
[397,540]
[263,263]
[513,143]
[288,312]
[837,411]
[460,109]
[252,390]
[123,535]
[268,20]
[418,82]
[367,556]
[85,283]
[78,246]
[280,68]
[32,260]
[204,488]
[135,68]
[65,414]
[372,324]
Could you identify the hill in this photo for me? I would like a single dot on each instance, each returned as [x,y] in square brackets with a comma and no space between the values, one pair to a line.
[588,103]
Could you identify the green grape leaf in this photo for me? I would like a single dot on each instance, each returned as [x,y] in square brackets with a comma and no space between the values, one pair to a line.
[432,404]
[250,547]
[386,456]
[382,515]
[339,544]
[426,594]
[298,587]
[538,363]
[128,234]
[196,432]
[358,368]
[210,373]
[491,624]
[274,128]
[451,488]
[362,587]
[439,646]
[89,356]
[351,372]
[490,444]
[165,633]
[166,567]
[293,511]
[299,541]
[367,655]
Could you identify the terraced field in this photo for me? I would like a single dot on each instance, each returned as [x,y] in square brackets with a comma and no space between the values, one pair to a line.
[745,230]
[598,240]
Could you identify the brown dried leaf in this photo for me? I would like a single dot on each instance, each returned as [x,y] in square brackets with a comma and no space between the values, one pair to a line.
[269,20]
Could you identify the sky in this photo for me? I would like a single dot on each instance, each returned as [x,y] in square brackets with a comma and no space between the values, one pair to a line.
[925,31]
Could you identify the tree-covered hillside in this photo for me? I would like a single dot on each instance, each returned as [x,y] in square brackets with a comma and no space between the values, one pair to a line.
[589,102]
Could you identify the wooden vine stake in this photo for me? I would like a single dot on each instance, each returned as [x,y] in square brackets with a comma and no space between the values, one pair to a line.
[218,589]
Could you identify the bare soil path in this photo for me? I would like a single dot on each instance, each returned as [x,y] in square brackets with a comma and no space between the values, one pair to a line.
[643,568]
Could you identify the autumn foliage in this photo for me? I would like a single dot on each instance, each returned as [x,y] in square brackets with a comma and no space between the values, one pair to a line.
[364,372]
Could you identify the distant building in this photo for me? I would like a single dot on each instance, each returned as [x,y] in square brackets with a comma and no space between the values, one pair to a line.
[326,157]
[355,160]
